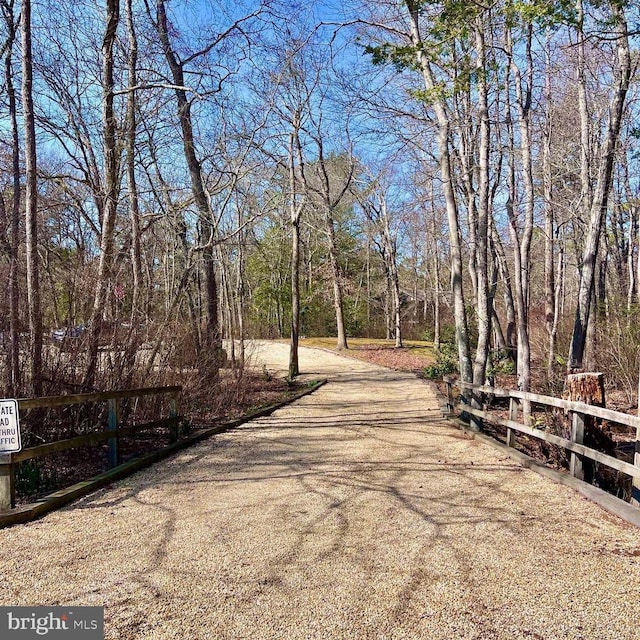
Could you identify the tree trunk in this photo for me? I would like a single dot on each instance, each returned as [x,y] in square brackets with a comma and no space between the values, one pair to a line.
[110,191]
[13,242]
[631,246]
[522,242]
[482,233]
[294,367]
[444,157]
[31,204]
[295,211]
[338,301]
[600,199]
[436,281]
[388,304]
[368,275]
[212,338]
[547,186]
[133,338]
[589,388]
[241,302]
[509,303]
[390,255]
[395,291]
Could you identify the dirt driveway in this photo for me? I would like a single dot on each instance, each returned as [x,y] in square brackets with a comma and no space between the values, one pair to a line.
[355,513]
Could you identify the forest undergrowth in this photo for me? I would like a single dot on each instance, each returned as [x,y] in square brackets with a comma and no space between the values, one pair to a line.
[204,402]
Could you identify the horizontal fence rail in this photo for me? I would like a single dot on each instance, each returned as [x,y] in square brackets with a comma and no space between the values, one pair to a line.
[472,403]
[91,438]
[111,435]
[48,402]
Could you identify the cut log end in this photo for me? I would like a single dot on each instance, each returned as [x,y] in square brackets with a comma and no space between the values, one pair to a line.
[586,387]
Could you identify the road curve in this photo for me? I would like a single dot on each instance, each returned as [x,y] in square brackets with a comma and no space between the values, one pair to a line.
[355,513]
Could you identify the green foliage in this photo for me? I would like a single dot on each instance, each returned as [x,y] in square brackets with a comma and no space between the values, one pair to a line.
[316,312]
[502,363]
[401,57]
[446,362]
[267,273]
[356,322]
[268,265]
[430,96]
[454,19]
[543,13]
[31,477]
[618,345]
[560,360]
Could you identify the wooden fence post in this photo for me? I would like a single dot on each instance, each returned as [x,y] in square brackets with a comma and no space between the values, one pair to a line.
[577,435]
[7,486]
[475,422]
[514,406]
[449,407]
[635,488]
[114,419]
[173,412]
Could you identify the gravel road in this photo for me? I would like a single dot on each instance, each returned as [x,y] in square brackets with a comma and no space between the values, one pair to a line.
[354,513]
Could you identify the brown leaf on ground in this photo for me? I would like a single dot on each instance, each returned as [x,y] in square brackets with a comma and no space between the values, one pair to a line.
[401,359]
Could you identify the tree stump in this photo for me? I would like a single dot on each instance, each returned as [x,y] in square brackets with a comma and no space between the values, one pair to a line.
[589,388]
[585,387]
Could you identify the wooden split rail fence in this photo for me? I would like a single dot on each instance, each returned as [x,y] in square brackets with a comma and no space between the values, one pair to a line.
[471,403]
[111,435]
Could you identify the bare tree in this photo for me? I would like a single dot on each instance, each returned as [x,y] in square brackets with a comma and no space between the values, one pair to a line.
[111,188]
[132,187]
[326,182]
[12,220]
[521,226]
[375,207]
[208,231]
[550,309]
[296,206]
[443,140]
[31,203]
[485,302]
[595,207]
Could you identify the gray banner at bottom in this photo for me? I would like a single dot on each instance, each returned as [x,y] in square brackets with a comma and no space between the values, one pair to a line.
[52,623]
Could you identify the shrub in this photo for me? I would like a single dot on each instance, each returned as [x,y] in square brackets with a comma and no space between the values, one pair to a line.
[446,362]
[502,362]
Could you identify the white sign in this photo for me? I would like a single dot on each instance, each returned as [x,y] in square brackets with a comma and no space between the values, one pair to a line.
[9,427]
